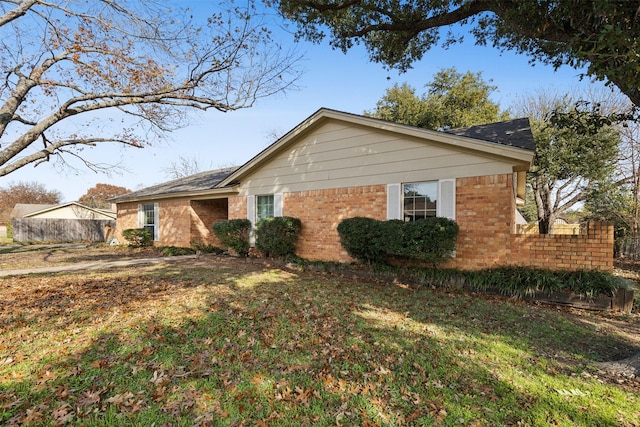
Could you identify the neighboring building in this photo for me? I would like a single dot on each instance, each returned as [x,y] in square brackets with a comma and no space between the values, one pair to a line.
[67,222]
[336,165]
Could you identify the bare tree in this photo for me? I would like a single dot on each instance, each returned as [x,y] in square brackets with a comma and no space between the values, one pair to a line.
[182,167]
[77,74]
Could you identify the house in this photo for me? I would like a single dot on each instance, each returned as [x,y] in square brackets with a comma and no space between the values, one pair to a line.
[65,222]
[336,165]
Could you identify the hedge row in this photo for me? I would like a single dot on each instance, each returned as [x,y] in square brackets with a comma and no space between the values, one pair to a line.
[275,237]
[429,240]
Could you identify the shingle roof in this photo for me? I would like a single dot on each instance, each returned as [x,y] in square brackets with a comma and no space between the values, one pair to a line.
[22,209]
[192,183]
[514,133]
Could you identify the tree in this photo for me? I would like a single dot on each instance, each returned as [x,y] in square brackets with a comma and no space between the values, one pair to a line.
[182,167]
[77,74]
[453,100]
[601,35]
[98,196]
[568,164]
[25,192]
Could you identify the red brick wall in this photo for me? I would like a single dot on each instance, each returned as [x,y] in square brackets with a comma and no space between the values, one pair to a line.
[485,213]
[237,207]
[127,218]
[487,224]
[181,221]
[320,212]
[205,213]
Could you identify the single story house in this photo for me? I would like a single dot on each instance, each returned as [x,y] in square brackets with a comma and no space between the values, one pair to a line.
[335,165]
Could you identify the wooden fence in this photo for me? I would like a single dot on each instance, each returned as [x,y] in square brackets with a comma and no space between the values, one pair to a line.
[60,230]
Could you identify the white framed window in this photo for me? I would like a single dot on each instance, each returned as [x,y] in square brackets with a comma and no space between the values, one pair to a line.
[419,200]
[149,218]
[264,207]
[416,200]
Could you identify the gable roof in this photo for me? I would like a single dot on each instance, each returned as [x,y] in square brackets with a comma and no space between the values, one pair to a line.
[28,211]
[191,185]
[511,140]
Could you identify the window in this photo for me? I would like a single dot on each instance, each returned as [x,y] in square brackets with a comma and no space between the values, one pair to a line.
[415,200]
[148,218]
[419,200]
[264,207]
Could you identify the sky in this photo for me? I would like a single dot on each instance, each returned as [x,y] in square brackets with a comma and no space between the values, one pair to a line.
[346,82]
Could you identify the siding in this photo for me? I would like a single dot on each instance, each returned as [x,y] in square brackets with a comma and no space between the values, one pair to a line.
[339,156]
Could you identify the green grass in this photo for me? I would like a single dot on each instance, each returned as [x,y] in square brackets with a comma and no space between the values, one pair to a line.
[234,343]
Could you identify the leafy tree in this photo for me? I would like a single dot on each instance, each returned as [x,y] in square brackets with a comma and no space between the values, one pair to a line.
[77,74]
[601,35]
[618,200]
[453,100]
[99,195]
[27,193]
[568,164]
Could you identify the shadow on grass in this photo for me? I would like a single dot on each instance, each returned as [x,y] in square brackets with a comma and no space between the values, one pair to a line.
[241,344]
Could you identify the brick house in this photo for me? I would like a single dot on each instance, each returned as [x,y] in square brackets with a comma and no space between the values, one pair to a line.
[336,165]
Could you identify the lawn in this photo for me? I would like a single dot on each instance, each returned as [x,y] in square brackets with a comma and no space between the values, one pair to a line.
[221,341]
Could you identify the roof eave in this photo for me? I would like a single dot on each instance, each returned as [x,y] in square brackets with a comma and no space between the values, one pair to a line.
[214,193]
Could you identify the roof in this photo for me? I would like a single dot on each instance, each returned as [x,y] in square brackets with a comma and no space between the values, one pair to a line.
[515,133]
[511,140]
[192,184]
[22,209]
[26,210]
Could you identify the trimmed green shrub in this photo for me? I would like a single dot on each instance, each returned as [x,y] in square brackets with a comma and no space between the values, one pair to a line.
[276,236]
[138,237]
[362,237]
[234,234]
[430,240]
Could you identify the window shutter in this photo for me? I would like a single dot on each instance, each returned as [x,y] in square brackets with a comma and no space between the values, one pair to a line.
[251,209]
[446,205]
[251,216]
[394,209]
[140,216]
[156,222]
[277,204]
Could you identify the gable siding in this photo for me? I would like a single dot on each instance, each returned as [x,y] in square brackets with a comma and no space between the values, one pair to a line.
[337,156]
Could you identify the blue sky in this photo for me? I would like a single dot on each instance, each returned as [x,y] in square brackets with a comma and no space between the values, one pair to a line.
[331,79]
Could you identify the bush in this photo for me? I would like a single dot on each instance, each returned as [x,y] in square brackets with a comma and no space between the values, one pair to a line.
[361,238]
[177,251]
[138,237]
[522,282]
[206,248]
[431,240]
[234,234]
[276,237]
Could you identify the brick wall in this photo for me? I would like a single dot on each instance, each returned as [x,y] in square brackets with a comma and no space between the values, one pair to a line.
[181,221]
[205,213]
[487,233]
[485,213]
[320,212]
